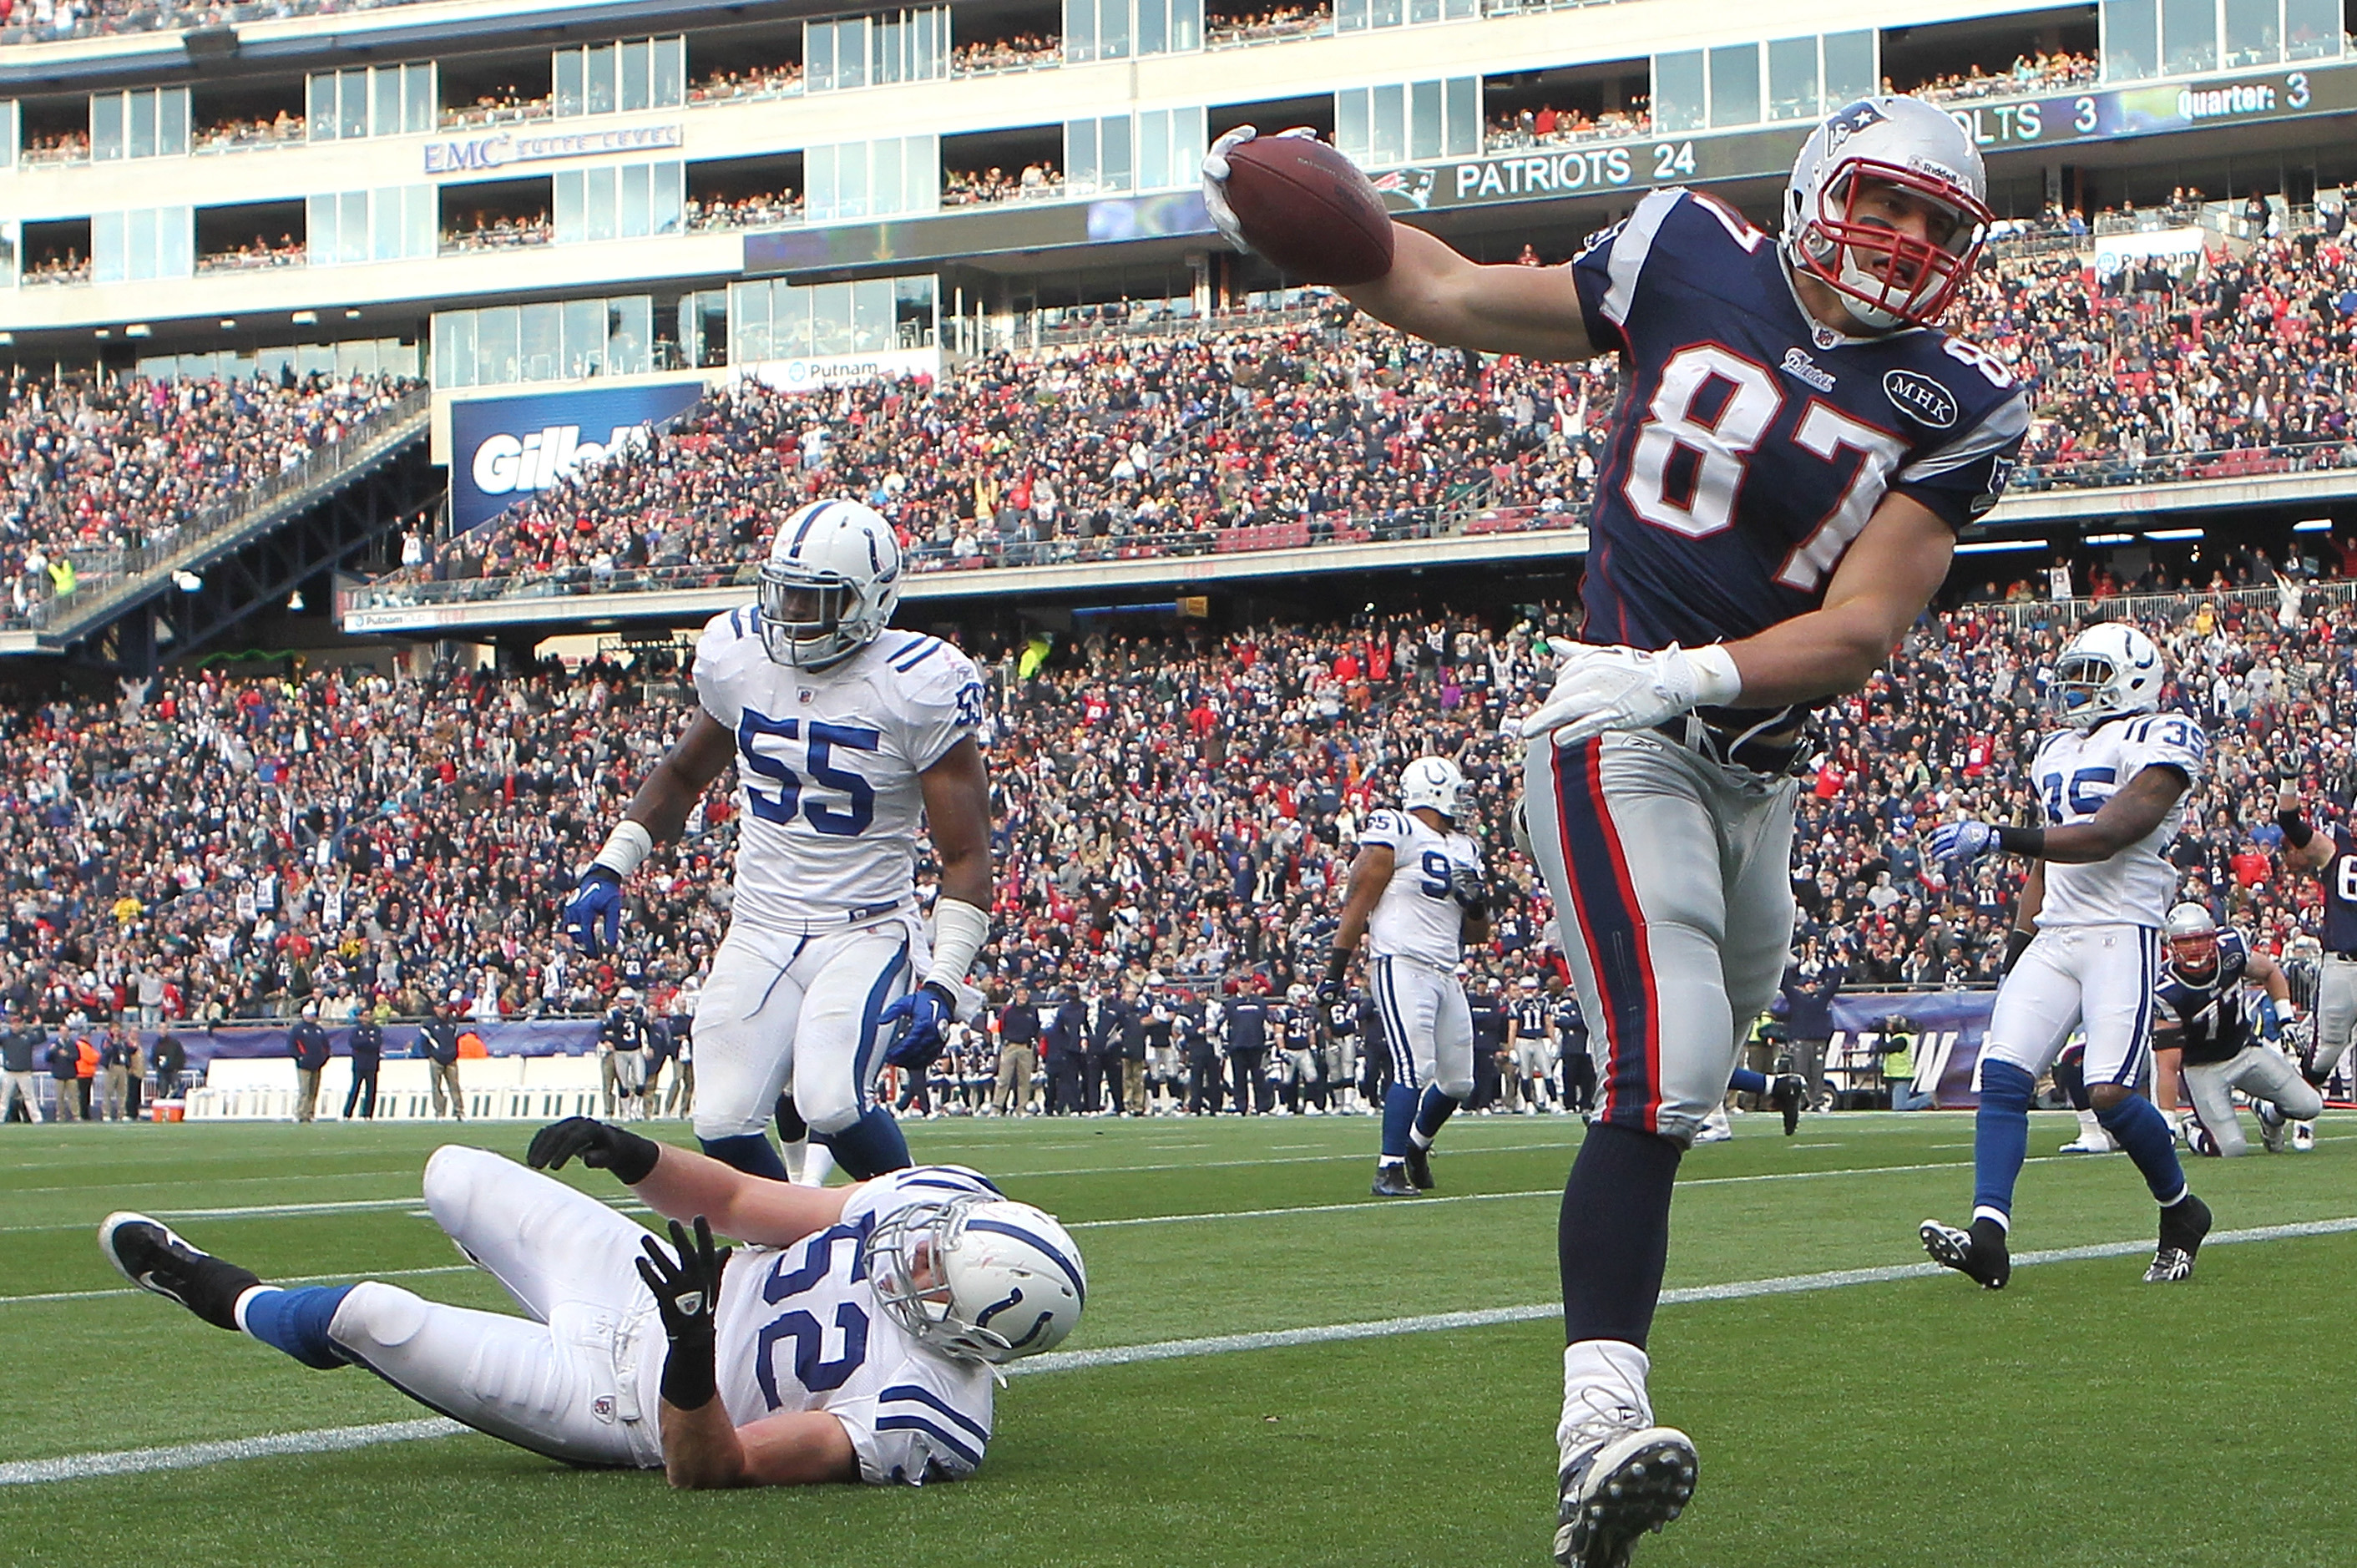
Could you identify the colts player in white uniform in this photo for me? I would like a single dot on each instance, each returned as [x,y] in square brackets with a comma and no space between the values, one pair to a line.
[855,1337]
[1416,889]
[2086,947]
[845,736]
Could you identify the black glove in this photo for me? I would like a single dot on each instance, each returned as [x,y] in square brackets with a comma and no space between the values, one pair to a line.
[687,1295]
[1471,893]
[600,1147]
[1334,1005]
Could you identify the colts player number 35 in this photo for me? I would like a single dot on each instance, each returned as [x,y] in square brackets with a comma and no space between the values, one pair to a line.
[844,735]
[1779,501]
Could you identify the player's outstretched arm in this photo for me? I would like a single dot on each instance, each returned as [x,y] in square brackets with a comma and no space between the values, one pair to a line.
[2304,849]
[2129,815]
[1885,579]
[957,815]
[685,1183]
[1439,294]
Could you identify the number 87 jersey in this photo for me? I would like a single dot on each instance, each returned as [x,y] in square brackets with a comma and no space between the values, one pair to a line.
[828,763]
[1754,443]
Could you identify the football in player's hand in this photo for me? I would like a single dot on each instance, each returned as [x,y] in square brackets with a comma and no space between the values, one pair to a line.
[1309,209]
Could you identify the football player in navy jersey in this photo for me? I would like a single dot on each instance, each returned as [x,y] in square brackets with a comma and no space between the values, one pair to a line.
[2332,853]
[2225,1039]
[1779,499]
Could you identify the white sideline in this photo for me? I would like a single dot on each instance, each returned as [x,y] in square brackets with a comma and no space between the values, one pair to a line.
[133,1461]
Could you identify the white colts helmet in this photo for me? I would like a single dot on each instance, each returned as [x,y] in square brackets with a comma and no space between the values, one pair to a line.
[2107,672]
[1897,141]
[978,1279]
[1433,782]
[847,556]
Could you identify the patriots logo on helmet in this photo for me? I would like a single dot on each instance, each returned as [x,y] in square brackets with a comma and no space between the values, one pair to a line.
[1849,121]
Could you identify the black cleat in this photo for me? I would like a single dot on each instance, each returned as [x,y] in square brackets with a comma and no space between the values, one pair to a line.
[2182,1225]
[1390,1181]
[1979,1254]
[1635,1481]
[147,1253]
[1785,1093]
[1419,1168]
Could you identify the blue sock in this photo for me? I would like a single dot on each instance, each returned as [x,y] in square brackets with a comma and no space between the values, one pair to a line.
[2142,1130]
[1744,1081]
[1432,1112]
[869,1147]
[748,1152]
[2000,1138]
[296,1321]
[1399,1115]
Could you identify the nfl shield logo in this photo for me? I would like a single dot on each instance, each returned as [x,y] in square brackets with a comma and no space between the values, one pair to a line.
[602,1407]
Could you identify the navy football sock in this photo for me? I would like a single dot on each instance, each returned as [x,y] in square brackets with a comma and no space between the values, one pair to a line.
[869,1147]
[1399,1116]
[2000,1138]
[748,1152]
[1743,1080]
[1432,1112]
[2138,1126]
[1613,1240]
[296,1321]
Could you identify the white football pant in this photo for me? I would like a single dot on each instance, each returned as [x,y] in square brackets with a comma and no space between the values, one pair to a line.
[581,1380]
[1428,1026]
[799,1008]
[2098,977]
[2336,1014]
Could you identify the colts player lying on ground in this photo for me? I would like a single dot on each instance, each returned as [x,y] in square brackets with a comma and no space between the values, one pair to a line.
[855,1339]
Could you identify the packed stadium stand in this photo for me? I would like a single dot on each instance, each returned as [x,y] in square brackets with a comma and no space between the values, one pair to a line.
[640,293]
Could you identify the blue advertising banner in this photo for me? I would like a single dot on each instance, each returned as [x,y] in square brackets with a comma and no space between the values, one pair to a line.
[265,1042]
[1948,1027]
[503,449]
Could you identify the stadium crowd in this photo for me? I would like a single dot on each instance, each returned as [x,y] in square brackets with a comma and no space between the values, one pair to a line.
[1171,810]
[1340,429]
[42,21]
[88,470]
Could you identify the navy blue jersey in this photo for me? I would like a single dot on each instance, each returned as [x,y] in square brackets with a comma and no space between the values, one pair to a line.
[1571,1029]
[2215,1017]
[2340,894]
[1753,443]
[1531,1018]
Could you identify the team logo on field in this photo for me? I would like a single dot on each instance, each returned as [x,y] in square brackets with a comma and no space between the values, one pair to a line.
[1920,398]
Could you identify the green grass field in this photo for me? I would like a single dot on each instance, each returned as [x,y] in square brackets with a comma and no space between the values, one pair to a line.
[2078,1417]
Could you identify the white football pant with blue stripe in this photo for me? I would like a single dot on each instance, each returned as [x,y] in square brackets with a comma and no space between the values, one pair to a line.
[1428,1027]
[2099,976]
[800,1008]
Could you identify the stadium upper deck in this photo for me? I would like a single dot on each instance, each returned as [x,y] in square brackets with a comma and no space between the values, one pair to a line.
[401,161]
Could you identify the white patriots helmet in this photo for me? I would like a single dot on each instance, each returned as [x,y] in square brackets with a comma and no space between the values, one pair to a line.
[1887,279]
[2105,672]
[847,556]
[978,1278]
[2191,933]
[1433,782]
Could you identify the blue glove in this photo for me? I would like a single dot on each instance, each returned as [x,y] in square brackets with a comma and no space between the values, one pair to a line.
[1961,843]
[596,903]
[928,1012]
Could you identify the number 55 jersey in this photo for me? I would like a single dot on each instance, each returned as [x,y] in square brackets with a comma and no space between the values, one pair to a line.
[1763,440]
[828,762]
[800,1328]
[2075,774]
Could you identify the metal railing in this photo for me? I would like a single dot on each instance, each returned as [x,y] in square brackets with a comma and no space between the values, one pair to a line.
[2168,609]
[2119,469]
[130,567]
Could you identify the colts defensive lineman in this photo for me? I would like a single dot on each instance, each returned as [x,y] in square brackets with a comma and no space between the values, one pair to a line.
[2332,855]
[1778,501]
[1416,889]
[854,1339]
[2085,941]
[2227,1043]
[844,736]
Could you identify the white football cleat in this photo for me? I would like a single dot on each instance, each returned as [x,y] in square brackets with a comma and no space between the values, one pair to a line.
[1715,1128]
[2092,1139]
[1617,1474]
[2303,1137]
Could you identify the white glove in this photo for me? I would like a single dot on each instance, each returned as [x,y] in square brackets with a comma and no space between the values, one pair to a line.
[1607,688]
[1215,180]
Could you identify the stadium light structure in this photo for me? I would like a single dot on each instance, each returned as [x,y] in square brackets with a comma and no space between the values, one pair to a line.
[2173,535]
[306,318]
[1999,546]
[139,329]
[187,582]
[2313,525]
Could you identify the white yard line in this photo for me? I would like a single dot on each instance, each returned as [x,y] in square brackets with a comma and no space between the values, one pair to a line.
[295,1280]
[85,1466]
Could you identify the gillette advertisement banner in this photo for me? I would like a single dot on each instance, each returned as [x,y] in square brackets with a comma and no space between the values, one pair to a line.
[505,449]
[1948,1027]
